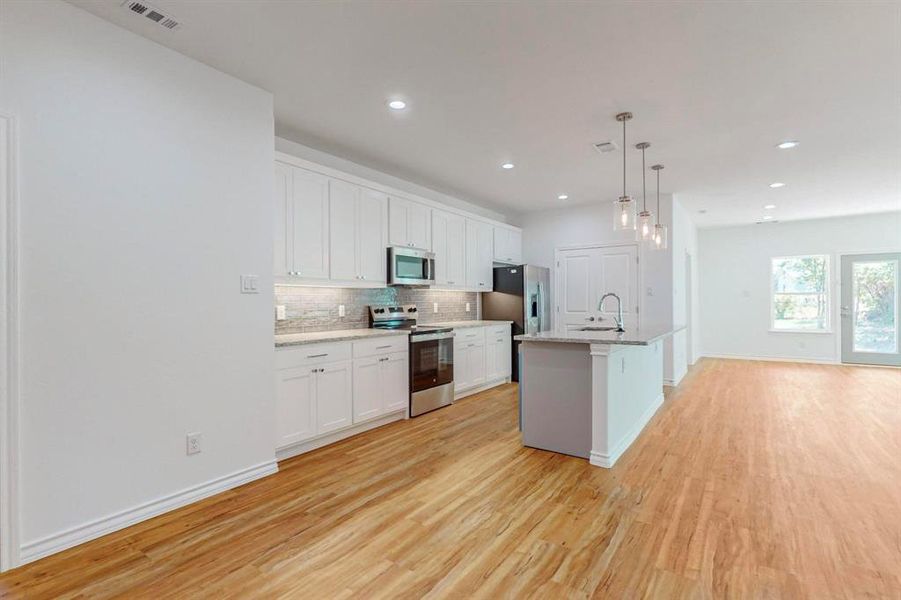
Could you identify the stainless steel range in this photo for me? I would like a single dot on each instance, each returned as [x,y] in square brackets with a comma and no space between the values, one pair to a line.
[431,356]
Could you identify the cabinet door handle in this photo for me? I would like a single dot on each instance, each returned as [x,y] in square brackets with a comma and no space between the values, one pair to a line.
[317,355]
[452,282]
[382,347]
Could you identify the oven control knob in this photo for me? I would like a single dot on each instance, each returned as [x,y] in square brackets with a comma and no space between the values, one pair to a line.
[379,310]
[411,309]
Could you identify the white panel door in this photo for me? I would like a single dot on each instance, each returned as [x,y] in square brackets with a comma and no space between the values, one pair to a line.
[367,398]
[395,382]
[576,305]
[477,364]
[372,229]
[398,217]
[310,217]
[343,230]
[282,254]
[295,405]
[618,273]
[479,255]
[334,396]
[584,275]
[462,368]
[449,246]
[419,226]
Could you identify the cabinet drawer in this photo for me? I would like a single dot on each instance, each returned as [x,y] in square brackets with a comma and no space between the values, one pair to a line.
[381,346]
[498,330]
[312,354]
[470,334]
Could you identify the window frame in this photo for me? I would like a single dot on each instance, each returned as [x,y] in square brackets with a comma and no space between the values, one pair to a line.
[827,287]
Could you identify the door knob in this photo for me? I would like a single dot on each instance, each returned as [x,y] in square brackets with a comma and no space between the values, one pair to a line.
[589,319]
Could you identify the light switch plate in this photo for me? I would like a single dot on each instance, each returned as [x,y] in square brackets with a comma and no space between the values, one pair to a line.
[250,284]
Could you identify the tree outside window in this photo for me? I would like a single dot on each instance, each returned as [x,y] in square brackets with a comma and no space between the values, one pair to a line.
[800,300]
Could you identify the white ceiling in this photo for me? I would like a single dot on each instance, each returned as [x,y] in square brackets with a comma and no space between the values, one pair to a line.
[713,86]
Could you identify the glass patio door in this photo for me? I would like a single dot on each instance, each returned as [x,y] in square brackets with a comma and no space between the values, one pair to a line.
[870,308]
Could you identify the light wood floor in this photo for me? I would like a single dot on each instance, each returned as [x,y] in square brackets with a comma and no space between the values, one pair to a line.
[761,480]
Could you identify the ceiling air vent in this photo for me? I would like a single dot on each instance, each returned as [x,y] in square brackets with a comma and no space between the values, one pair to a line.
[605,147]
[151,12]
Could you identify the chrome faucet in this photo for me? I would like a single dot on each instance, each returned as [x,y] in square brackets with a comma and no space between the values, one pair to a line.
[618,319]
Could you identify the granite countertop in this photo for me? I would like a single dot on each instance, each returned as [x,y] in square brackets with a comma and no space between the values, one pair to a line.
[465,324]
[633,336]
[340,335]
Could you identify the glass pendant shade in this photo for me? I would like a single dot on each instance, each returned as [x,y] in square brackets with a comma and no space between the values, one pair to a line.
[645,226]
[624,214]
[659,241]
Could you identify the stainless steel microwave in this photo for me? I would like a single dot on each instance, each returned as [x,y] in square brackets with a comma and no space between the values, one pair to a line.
[410,266]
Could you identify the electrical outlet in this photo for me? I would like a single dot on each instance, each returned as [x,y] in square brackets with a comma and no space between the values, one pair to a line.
[435,307]
[195,443]
[467,307]
[341,311]
[280,312]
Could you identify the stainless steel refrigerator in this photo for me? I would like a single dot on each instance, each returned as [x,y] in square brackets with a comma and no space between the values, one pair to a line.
[522,295]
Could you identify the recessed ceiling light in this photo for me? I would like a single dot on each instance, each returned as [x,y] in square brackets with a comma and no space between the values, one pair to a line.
[787,144]
[562,197]
[703,211]
[777,184]
[507,166]
[769,207]
[767,217]
[397,105]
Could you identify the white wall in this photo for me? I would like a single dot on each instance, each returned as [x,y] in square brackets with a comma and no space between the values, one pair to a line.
[145,191]
[735,266]
[335,162]
[683,241]
[544,231]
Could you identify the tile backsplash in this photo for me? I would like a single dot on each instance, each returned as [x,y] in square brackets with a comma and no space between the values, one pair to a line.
[316,309]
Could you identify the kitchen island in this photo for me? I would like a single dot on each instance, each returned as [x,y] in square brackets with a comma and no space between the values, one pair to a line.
[590,393]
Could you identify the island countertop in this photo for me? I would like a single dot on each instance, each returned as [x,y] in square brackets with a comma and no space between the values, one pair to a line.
[633,336]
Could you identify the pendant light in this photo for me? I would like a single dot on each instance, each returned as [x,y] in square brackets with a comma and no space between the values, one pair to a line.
[645,231]
[624,208]
[659,240]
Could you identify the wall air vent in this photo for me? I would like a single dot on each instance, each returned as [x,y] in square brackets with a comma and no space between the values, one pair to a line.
[605,147]
[152,13]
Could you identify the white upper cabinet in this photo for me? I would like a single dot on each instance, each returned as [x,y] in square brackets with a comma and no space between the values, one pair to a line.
[344,200]
[479,255]
[507,245]
[409,224]
[358,223]
[373,236]
[309,225]
[283,242]
[449,246]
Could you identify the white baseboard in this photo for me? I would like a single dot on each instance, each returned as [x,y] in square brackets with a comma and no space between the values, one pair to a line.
[336,436]
[480,388]
[815,361]
[74,536]
[599,459]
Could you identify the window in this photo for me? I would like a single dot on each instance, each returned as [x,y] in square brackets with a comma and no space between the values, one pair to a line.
[800,300]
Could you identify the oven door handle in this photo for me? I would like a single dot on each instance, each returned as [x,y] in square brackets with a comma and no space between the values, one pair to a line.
[427,337]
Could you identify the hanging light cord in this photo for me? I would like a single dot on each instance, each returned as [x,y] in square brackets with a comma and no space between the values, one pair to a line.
[644,187]
[624,158]
[657,216]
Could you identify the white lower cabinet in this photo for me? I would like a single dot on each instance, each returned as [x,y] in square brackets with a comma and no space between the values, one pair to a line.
[334,397]
[482,356]
[320,390]
[295,405]
[498,357]
[381,385]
